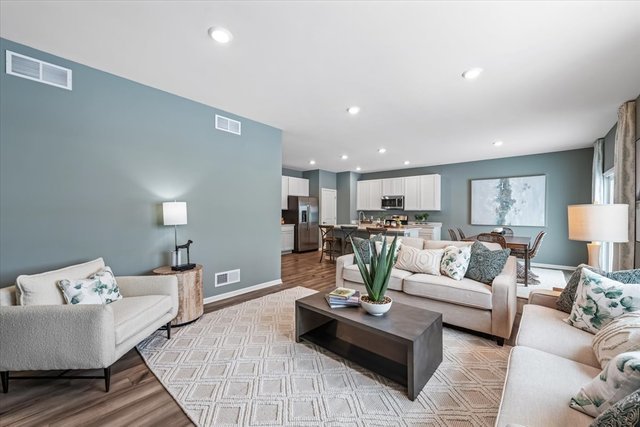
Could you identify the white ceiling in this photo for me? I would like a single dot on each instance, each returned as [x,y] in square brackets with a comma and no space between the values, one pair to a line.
[555,72]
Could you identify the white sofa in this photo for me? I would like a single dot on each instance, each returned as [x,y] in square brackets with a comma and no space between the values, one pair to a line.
[549,364]
[490,309]
[62,336]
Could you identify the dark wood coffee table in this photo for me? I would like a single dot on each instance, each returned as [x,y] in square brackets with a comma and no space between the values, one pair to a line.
[404,345]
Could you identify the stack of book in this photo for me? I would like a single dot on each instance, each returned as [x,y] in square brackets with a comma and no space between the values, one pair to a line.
[343,297]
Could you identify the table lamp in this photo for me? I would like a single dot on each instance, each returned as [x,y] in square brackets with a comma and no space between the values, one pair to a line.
[598,223]
[175,213]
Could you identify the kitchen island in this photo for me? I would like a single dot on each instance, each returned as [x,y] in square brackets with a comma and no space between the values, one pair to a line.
[404,230]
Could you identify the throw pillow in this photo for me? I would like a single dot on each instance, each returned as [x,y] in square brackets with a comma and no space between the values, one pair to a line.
[625,413]
[420,260]
[619,336]
[618,379]
[109,290]
[486,264]
[568,295]
[378,242]
[455,261]
[80,291]
[362,247]
[600,300]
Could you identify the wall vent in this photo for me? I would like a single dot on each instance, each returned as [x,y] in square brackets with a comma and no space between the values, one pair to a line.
[227,277]
[226,124]
[39,71]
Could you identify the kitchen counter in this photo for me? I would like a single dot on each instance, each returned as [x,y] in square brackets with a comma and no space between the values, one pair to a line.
[406,230]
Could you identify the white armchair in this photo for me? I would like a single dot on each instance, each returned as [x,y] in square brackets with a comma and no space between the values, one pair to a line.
[61,336]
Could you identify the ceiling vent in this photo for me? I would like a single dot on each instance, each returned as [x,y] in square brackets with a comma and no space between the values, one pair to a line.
[226,124]
[39,71]
[227,277]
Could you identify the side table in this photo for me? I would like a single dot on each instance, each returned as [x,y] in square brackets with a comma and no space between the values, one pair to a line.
[190,293]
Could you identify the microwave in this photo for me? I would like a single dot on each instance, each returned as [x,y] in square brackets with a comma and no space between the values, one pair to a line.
[393,202]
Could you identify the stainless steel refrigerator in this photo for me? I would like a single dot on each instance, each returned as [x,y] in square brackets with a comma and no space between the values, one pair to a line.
[303,213]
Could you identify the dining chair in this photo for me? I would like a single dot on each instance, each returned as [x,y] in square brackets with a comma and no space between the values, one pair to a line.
[348,231]
[506,231]
[533,251]
[328,240]
[461,233]
[376,230]
[532,278]
[453,235]
[493,238]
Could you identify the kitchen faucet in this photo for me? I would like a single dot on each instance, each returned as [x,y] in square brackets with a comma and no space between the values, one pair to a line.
[361,216]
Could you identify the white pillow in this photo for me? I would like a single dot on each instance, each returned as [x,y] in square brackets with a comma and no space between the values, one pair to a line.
[620,377]
[378,244]
[99,288]
[420,260]
[620,336]
[455,261]
[599,300]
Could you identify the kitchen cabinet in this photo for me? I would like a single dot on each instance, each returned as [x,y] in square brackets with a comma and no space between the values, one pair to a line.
[284,193]
[369,195]
[431,231]
[430,192]
[287,238]
[393,187]
[412,193]
[298,187]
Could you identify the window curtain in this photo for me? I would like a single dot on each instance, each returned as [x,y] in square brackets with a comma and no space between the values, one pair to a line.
[624,191]
[597,183]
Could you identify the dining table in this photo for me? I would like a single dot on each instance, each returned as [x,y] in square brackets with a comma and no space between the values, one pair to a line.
[520,244]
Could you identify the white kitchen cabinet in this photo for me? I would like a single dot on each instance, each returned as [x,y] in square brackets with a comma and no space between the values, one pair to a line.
[284,192]
[393,187]
[412,193]
[287,238]
[431,231]
[430,192]
[298,186]
[369,195]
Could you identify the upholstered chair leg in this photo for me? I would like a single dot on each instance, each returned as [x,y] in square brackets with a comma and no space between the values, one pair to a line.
[5,381]
[168,330]
[107,378]
[500,341]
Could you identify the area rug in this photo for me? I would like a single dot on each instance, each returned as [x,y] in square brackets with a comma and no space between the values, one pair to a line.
[241,366]
[548,279]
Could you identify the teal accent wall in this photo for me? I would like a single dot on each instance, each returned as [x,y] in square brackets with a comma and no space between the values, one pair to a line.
[83,174]
[609,148]
[568,182]
[291,172]
[346,184]
[319,179]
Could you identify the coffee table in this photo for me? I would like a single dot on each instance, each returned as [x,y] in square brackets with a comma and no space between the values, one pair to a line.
[404,345]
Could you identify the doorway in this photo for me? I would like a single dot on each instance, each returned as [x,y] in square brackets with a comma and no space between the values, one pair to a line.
[328,206]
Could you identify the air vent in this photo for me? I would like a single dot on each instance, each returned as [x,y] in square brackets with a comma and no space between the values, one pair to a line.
[228,125]
[39,71]
[227,277]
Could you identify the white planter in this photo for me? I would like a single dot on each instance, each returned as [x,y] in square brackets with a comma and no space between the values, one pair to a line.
[375,309]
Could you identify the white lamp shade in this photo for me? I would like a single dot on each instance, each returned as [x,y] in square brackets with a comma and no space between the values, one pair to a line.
[174,213]
[599,223]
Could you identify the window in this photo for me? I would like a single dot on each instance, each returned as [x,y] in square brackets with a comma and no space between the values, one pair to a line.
[606,251]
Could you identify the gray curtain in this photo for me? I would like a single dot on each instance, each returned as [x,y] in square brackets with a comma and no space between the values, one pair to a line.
[624,169]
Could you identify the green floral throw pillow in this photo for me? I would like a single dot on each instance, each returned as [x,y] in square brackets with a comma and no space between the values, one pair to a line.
[618,379]
[600,300]
[107,285]
[99,288]
[455,261]
[486,264]
[625,413]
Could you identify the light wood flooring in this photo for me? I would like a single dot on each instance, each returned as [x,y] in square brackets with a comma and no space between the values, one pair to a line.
[136,398]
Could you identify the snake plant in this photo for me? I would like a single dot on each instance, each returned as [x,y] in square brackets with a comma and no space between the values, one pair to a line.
[376,276]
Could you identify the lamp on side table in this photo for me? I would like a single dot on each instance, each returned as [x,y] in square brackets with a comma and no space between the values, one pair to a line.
[190,292]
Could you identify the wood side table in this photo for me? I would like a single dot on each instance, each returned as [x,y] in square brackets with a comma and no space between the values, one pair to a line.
[190,293]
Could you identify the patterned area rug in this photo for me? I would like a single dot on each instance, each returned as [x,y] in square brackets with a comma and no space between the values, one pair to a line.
[241,366]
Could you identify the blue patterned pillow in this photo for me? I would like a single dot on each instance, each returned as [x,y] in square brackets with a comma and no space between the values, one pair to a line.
[625,413]
[486,264]
[363,247]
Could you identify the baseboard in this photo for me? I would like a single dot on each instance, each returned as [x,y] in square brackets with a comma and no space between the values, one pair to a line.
[242,291]
[553,266]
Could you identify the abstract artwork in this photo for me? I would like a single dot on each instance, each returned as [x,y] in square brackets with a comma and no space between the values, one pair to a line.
[519,201]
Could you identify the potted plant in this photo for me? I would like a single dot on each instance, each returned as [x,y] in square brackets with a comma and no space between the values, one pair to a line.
[376,277]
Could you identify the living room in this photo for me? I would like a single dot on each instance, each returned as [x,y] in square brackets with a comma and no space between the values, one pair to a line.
[128,129]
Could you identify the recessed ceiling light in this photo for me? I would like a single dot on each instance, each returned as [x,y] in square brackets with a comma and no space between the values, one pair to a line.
[353,110]
[221,35]
[382,150]
[406,162]
[312,162]
[471,74]
[358,168]
[344,157]
[498,143]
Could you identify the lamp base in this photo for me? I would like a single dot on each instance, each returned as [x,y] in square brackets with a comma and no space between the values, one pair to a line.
[594,254]
[183,267]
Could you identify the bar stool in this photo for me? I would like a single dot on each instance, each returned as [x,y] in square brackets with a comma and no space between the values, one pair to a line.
[348,231]
[376,230]
[328,240]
